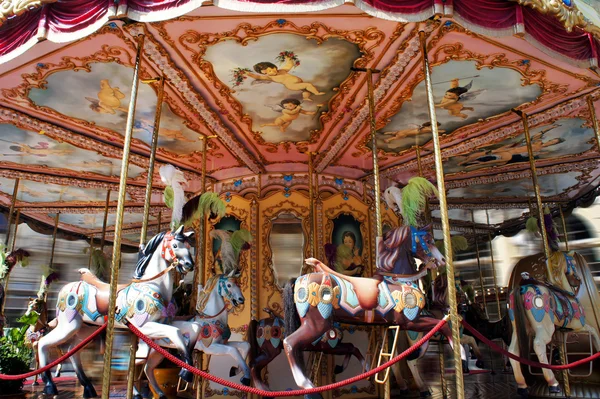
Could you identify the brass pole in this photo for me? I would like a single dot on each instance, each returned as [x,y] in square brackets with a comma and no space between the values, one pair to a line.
[158,226]
[590,102]
[152,161]
[91,250]
[144,233]
[311,206]
[493,268]
[56,217]
[564,226]
[439,173]
[116,255]
[419,161]
[104,221]
[11,210]
[14,238]
[540,209]
[479,263]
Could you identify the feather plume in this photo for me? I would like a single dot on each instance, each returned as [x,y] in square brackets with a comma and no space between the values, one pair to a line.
[414,198]
[532,225]
[205,204]
[174,178]
[459,244]
[238,239]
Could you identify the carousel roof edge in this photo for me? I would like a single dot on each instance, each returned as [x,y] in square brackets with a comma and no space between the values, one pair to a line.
[32,21]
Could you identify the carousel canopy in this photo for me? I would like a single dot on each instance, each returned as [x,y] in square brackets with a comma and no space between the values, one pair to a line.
[274,80]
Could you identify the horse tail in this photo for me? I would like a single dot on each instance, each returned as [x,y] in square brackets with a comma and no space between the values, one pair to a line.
[290,314]
[522,326]
[506,329]
[253,353]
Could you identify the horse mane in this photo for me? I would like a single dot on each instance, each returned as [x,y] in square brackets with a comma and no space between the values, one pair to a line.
[389,247]
[146,254]
[208,289]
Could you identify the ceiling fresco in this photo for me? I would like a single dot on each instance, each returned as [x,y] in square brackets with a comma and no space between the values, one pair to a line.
[262,91]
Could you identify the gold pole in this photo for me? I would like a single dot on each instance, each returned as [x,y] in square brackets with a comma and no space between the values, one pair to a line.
[479,262]
[14,238]
[493,268]
[590,102]
[104,221]
[419,161]
[116,255]
[131,374]
[564,226]
[311,206]
[56,217]
[540,209]
[91,250]
[158,227]
[11,210]
[439,173]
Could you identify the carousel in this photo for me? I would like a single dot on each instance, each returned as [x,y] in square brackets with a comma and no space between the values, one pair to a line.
[268,198]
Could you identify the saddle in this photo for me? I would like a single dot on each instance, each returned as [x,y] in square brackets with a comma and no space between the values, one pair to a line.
[551,287]
[366,288]
[102,296]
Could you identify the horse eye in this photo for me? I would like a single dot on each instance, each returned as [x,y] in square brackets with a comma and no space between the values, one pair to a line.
[228,285]
[174,245]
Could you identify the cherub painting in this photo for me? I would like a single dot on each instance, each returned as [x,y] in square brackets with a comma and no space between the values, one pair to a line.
[174,135]
[291,110]
[410,133]
[109,99]
[269,72]
[283,66]
[41,149]
[452,101]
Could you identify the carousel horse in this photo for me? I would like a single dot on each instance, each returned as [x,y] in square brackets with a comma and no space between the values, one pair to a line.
[538,308]
[391,297]
[142,302]
[208,331]
[35,332]
[265,337]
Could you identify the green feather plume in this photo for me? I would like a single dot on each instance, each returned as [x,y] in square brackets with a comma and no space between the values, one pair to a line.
[204,204]
[238,239]
[459,244]
[414,198]
[469,292]
[168,196]
[532,225]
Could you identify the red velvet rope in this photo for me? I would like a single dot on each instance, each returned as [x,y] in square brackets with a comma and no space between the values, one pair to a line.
[528,362]
[296,392]
[57,361]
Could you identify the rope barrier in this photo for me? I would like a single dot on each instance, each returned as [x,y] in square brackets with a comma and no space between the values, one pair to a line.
[57,361]
[296,392]
[522,360]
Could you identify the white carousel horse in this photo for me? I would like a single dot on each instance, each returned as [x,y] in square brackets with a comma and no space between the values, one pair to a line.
[537,308]
[142,302]
[208,331]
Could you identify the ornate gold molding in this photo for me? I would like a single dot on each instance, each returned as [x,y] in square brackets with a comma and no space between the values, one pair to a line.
[15,8]
[569,15]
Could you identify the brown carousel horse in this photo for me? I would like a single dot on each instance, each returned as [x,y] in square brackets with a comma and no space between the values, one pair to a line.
[265,338]
[390,297]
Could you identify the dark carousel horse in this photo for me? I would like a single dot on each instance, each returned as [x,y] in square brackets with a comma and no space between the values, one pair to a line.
[391,297]
[266,343]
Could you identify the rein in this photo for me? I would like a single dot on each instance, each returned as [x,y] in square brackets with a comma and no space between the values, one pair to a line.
[146,280]
[417,238]
[221,287]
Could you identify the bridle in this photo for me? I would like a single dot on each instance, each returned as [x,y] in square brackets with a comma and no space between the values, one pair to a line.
[223,292]
[418,239]
[167,247]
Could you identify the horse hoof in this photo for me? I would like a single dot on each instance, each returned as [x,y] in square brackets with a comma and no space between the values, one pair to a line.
[554,389]
[522,392]
[245,381]
[414,355]
[465,367]
[479,363]
[186,375]
[35,383]
[50,389]
[233,371]
[425,394]
[338,369]
[89,392]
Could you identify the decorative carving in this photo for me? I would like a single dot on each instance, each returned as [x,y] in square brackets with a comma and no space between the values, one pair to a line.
[15,8]
[569,15]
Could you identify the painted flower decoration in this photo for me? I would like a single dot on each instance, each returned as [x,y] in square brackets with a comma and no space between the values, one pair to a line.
[288,54]
[528,300]
[170,310]
[546,303]
[260,332]
[205,331]
[336,297]
[238,76]
[313,297]
[576,311]
[275,332]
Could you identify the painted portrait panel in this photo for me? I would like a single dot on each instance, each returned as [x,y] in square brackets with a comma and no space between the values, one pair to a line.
[283,81]
[463,95]
[31,191]
[344,254]
[102,95]
[550,185]
[561,138]
[95,220]
[29,148]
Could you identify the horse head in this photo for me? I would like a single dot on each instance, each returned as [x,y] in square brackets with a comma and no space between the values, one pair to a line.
[229,288]
[176,249]
[424,249]
[393,198]
[16,256]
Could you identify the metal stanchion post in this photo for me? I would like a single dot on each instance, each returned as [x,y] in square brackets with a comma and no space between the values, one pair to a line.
[439,171]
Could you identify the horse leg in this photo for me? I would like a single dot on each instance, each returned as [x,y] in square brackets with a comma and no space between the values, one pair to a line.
[243,348]
[88,387]
[260,363]
[347,349]
[543,336]
[516,366]
[215,349]
[313,326]
[63,332]
[157,331]
[470,341]
[34,346]
[152,362]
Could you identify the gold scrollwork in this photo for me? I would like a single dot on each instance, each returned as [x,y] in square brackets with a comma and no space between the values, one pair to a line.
[14,8]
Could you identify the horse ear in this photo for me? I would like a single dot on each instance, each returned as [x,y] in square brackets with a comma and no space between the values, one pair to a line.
[189,234]
[179,230]
[427,227]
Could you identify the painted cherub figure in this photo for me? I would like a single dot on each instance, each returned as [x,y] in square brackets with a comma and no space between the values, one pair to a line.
[109,99]
[291,110]
[41,149]
[453,97]
[269,72]
[410,132]
[174,134]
